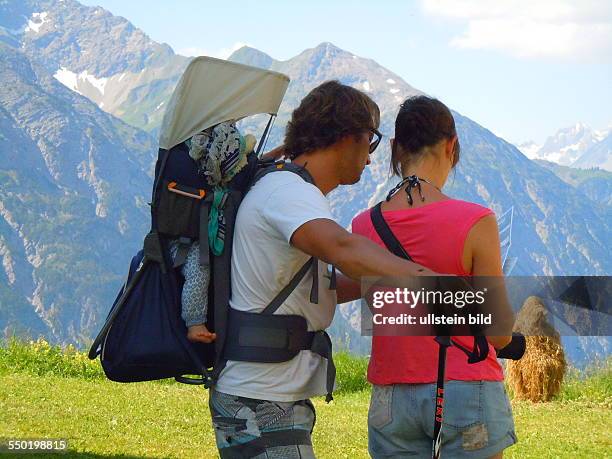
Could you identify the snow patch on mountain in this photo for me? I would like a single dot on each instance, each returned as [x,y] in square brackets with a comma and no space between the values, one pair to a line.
[598,155]
[67,78]
[600,135]
[73,81]
[36,22]
[98,83]
[568,144]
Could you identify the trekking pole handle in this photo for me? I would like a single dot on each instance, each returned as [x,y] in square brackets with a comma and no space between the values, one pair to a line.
[515,349]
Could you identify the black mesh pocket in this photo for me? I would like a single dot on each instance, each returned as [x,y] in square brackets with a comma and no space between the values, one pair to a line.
[179,210]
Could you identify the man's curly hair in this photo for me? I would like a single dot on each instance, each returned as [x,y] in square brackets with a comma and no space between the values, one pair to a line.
[328,113]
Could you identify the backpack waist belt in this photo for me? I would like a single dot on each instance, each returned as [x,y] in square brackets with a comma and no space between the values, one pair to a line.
[275,338]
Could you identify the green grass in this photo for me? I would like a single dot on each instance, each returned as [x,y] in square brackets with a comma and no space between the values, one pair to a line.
[591,385]
[49,393]
[39,358]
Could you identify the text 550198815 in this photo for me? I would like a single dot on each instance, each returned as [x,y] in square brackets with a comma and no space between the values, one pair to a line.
[28,445]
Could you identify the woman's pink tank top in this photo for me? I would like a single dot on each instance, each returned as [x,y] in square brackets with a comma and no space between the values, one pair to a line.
[434,236]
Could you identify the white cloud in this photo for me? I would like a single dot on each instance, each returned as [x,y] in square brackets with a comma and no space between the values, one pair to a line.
[568,29]
[222,53]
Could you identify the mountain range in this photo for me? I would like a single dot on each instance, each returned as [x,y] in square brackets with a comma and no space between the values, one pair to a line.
[99,55]
[595,183]
[81,101]
[72,201]
[577,146]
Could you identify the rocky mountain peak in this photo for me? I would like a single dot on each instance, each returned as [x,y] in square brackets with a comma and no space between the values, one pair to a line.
[324,54]
[567,144]
[598,155]
[328,50]
[251,56]
[80,38]
[96,54]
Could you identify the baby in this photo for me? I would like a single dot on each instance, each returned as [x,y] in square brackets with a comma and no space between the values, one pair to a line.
[220,153]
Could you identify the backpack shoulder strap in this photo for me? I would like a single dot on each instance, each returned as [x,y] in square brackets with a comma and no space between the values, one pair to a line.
[280,298]
[266,168]
[385,233]
[312,263]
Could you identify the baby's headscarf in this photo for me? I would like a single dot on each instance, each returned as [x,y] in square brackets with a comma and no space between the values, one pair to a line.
[221,152]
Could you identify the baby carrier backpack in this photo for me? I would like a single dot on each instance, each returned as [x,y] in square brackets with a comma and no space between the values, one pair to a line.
[144,337]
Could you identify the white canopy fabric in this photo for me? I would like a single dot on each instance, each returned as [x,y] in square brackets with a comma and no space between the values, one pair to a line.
[212,91]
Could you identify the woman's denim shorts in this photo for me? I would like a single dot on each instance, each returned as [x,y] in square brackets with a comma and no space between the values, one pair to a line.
[477,420]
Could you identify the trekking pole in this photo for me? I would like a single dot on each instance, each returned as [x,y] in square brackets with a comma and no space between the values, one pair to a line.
[443,342]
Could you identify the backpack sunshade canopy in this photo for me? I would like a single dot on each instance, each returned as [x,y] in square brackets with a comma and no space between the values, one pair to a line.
[212,91]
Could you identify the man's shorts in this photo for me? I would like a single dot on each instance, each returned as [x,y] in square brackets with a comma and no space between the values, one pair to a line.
[477,420]
[246,427]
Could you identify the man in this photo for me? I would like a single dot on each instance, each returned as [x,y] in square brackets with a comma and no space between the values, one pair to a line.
[263,409]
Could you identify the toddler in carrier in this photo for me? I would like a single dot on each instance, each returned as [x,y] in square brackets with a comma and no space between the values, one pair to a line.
[220,152]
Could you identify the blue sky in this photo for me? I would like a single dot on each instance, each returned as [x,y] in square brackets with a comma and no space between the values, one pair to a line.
[521,68]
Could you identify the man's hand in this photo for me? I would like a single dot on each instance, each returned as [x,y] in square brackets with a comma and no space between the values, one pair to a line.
[275,154]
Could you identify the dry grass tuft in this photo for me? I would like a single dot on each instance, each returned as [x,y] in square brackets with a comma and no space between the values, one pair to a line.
[539,374]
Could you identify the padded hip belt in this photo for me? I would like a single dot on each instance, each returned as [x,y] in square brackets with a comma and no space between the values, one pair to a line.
[275,338]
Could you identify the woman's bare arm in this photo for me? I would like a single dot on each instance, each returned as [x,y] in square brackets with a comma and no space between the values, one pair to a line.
[484,246]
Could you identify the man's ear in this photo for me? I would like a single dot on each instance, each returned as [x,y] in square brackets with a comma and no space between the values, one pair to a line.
[346,142]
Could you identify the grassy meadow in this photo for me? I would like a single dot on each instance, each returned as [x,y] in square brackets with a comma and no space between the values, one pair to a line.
[49,392]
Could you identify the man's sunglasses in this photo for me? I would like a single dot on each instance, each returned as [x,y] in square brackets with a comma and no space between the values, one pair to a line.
[376,138]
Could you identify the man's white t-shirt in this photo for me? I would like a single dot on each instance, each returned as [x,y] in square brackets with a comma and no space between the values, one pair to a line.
[263,262]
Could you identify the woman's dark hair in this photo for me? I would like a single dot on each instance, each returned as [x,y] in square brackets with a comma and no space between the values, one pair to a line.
[421,122]
[328,113]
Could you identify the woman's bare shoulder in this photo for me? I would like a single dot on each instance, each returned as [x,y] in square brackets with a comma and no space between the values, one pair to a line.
[482,247]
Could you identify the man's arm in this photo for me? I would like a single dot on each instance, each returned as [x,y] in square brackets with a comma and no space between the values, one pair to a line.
[356,256]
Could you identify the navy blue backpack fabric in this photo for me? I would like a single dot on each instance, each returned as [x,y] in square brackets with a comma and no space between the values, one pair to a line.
[144,336]
[148,339]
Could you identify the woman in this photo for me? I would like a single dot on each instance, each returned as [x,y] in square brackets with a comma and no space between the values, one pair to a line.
[448,236]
